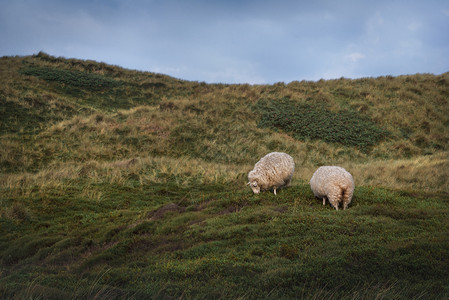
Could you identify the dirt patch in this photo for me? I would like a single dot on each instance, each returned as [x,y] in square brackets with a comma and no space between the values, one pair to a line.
[159,213]
[199,221]
[229,210]
[148,243]
[281,209]
[203,205]
[170,246]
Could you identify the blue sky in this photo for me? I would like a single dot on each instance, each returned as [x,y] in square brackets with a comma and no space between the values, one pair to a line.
[230,41]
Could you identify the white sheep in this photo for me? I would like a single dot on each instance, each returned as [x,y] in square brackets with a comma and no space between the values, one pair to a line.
[274,170]
[334,183]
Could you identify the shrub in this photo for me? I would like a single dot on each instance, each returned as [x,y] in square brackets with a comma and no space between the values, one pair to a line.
[312,121]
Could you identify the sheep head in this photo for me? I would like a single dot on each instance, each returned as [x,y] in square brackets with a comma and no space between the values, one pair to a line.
[254,186]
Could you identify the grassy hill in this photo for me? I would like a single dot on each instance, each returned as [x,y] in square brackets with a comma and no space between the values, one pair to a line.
[123,184]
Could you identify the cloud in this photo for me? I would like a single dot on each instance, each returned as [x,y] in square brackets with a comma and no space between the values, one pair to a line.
[414,26]
[236,41]
[354,57]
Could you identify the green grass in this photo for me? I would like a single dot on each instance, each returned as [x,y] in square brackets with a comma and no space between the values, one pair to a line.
[308,121]
[137,190]
[213,240]
[92,90]
[89,81]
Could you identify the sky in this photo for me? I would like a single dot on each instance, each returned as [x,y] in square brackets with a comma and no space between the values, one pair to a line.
[231,41]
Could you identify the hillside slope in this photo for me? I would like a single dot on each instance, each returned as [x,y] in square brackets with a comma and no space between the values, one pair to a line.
[58,111]
[124,184]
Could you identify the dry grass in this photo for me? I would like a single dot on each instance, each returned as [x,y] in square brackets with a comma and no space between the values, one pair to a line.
[425,173]
[146,170]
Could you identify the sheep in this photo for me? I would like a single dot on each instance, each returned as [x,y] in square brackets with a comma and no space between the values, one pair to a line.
[273,171]
[334,183]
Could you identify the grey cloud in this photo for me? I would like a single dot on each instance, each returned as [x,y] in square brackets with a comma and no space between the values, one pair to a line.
[236,41]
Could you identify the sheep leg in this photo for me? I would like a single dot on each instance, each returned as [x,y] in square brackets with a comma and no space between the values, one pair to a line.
[274,190]
[324,200]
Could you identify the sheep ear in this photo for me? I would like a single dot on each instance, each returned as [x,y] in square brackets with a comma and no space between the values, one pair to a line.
[248,183]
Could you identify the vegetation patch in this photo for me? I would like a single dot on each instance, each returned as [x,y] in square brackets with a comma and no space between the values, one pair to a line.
[310,121]
[13,115]
[89,81]
[91,90]
[31,114]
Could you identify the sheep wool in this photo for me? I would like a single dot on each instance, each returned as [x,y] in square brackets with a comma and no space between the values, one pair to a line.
[273,171]
[334,183]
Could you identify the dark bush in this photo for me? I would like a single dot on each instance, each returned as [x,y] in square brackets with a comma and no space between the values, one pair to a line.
[312,121]
[72,78]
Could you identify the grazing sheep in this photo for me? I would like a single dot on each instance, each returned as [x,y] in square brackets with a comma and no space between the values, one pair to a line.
[334,183]
[274,170]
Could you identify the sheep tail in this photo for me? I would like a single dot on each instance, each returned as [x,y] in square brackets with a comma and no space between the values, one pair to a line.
[346,195]
[339,196]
